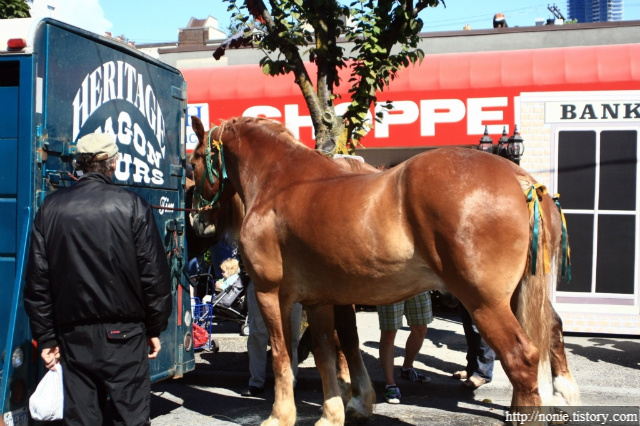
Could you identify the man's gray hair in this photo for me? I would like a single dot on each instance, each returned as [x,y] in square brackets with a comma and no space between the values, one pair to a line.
[85,163]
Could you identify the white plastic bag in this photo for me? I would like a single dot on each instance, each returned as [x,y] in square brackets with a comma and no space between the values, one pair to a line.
[47,401]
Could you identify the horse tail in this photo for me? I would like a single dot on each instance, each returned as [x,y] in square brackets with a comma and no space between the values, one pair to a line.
[533,305]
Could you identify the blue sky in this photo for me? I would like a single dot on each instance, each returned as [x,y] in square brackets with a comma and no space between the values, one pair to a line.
[150,21]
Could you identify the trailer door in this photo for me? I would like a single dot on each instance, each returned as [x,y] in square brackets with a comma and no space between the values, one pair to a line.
[89,83]
[17,377]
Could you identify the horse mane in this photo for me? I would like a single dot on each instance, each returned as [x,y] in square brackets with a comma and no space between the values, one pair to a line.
[264,128]
[280,131]
[269,128]
[356,166]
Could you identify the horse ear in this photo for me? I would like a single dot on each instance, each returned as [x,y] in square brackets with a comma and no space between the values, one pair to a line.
[197,127]
[189,184]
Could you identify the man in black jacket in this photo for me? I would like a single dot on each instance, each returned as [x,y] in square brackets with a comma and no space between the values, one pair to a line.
[98,290]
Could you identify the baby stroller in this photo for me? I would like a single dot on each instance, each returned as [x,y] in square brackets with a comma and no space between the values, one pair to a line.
[229,304]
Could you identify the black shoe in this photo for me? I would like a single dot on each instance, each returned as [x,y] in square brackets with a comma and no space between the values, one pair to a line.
[252,391]
[412,375]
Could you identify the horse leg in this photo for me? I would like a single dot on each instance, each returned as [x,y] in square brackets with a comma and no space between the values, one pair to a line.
[322,329]
[277,317]
[360,405]
[342,369]
[565,388]
[519,356]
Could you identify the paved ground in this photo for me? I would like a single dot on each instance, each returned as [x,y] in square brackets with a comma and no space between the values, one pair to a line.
[606,368]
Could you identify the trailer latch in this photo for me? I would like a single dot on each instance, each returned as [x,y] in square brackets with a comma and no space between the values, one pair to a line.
[176,226]
[62,148]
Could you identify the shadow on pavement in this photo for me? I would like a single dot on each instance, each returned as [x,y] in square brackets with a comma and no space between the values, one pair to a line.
[614,351]
[218,398]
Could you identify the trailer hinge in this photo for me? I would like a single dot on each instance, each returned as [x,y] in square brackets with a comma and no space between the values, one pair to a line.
[177,170]
[179,93]
[175,252]
[41,155]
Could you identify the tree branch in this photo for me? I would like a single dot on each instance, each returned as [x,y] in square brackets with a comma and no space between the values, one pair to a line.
[294,59]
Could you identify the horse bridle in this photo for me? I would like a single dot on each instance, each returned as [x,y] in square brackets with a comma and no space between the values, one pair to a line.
[211,171]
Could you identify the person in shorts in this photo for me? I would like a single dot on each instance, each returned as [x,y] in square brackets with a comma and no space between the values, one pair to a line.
[417,310]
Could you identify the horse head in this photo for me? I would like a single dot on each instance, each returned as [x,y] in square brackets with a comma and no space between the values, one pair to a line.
[218,205]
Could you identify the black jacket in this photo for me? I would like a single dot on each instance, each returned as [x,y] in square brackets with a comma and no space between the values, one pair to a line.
[96,256]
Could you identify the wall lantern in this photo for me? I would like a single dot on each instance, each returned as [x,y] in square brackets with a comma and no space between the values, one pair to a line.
[501,149]
[510,148]
[486,143]
[515,146]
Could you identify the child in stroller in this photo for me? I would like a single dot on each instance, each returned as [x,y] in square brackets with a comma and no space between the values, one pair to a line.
[226,295]
[229,302]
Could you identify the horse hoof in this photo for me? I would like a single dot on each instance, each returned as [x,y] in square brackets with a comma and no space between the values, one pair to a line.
[273,421]
[356,415]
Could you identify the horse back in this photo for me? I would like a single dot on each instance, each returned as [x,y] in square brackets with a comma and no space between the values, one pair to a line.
[467,209]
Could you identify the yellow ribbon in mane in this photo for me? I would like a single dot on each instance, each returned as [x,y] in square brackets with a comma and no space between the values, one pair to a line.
[534,196]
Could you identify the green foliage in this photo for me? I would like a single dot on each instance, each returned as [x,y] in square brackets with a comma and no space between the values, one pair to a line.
[234,27]
[380,26]
[14,9]
[384,35]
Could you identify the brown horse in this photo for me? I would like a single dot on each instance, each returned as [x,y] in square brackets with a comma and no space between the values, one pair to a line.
[455,220]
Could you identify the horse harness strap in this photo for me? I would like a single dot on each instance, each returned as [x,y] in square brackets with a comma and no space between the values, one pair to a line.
[211,171]
[534,196]
[566,252]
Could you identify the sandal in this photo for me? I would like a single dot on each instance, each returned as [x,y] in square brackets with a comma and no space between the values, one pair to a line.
[474,382]
[461,375]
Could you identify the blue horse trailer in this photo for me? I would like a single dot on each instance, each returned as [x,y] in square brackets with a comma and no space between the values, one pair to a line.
[57,85]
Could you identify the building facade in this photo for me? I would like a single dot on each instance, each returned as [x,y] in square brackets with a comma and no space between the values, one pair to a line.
[572,90]
[595,10]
